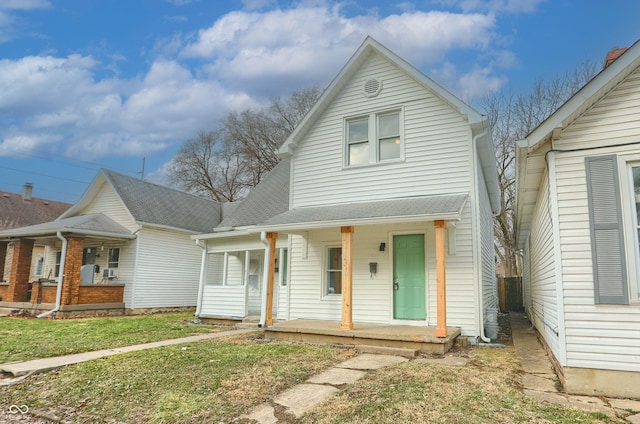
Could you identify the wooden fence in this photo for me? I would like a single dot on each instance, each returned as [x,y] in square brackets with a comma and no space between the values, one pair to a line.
[510,290]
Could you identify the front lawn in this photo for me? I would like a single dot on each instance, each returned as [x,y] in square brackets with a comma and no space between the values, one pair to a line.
[202,382]
[22,339]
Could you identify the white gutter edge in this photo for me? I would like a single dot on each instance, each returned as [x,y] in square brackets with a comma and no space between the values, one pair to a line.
[203,272]
[63,256]
[265,278]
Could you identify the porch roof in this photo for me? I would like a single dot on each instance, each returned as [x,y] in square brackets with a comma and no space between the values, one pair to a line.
[412,209]
[97,224]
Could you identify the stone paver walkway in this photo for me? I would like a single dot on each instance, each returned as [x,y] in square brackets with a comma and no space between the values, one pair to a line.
[44,364]
[540,381]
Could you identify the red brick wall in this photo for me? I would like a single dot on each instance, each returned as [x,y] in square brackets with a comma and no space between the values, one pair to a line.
[20,270]
[46,293]
[101,294]
[73,262]
[3,292]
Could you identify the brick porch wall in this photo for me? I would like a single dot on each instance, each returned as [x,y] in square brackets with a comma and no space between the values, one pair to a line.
[43,293]
[20,270]
[4,288]
[101,293]
[73,262]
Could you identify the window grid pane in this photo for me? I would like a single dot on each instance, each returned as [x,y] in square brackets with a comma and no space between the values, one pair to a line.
[334,270]
[358,153]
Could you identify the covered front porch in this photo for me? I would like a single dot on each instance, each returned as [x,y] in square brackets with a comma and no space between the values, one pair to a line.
[78,271]
[422,339]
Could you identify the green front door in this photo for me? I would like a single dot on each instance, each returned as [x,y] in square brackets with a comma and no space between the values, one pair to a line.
[408,277]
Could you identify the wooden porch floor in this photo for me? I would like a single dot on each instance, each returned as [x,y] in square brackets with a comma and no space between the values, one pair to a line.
[422,339]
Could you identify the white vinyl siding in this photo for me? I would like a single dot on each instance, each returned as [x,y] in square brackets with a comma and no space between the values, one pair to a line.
[168,269]
[372,295]
[107,202]
[597,336]
[230,301]
[543,304]
[436,145]
[487,249]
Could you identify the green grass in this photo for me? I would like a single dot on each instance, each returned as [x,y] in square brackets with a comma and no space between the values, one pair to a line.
[207,381]
[29,338]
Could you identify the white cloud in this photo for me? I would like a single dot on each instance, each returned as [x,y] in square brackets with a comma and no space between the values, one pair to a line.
[8,18]
[471,85]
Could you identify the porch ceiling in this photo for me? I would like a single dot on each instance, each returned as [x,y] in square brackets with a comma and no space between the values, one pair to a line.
[400,210]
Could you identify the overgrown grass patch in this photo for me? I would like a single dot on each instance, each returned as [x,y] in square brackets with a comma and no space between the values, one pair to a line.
[23,339]
[484,391]
[208,381]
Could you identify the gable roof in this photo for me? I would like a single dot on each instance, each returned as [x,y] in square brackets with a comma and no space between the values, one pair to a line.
[530,167]
[154,204]
[16,212]
[269,198]
[478,122]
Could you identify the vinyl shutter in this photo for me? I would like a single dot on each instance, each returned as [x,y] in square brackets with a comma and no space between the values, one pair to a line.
[607,237]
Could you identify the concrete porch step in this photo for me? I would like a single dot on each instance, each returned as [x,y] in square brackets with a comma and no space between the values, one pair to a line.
[385,350]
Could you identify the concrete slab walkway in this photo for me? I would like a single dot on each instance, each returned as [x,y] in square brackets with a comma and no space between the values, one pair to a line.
[541,383]
[44,364]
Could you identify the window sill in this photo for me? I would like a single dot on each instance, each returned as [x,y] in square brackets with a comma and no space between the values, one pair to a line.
[368,165]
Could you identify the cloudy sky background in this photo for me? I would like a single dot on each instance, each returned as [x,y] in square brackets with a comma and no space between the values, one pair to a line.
[86,84]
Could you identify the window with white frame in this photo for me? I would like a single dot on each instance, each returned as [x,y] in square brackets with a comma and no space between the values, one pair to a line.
[333,274]
[236,268]
[634,169]
[113,257]
[373,138]
[56,272]
[38,266]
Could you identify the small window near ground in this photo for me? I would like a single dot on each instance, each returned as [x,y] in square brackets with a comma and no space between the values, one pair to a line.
[334,271]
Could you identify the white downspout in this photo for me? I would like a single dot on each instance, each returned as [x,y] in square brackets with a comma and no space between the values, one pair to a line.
[63,256]
[203,276]
[265,278]
[478,243]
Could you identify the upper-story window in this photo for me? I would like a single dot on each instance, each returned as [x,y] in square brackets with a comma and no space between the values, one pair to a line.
[374,138]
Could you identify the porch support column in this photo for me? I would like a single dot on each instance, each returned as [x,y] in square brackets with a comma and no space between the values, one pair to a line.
[3,257]
[347,278]
[72,264]
[271,239]
[20,270]
[441,280]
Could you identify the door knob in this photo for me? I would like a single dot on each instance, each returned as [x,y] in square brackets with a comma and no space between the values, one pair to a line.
[396,286]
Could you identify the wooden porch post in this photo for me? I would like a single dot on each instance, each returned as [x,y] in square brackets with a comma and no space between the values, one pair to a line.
[347,274]
[271,238]
[441,280]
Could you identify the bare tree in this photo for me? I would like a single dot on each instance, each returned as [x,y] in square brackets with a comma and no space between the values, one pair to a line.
[511,118]
[226,163]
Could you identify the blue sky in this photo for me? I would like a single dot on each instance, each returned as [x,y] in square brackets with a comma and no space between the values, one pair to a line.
[86,84]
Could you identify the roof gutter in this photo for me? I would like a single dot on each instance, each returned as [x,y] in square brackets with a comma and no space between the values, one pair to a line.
[63,256]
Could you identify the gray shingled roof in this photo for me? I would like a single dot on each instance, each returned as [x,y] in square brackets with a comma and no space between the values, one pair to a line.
[266,200]
[94,224]
[16,212]
[154,204]
[428,208]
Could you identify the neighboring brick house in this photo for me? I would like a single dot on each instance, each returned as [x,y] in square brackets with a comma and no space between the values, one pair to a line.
[124,246]
[20,210]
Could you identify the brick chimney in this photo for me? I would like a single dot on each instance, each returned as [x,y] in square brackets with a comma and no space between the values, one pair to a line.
[27,191]
[614,54]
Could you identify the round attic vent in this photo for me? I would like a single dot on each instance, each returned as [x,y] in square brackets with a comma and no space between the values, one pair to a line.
[372,87]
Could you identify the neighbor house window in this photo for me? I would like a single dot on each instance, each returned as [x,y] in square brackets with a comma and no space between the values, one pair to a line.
[39,266]
[114,257]
[57,268]
[376,137]
[333,283]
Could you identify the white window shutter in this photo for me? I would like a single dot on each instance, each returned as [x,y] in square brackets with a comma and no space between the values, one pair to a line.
[607,237]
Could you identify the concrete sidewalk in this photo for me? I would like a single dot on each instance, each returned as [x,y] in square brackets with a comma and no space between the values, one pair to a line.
[540,382]
[44,364]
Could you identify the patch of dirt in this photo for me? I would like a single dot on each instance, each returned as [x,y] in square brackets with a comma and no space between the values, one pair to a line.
[504,328]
